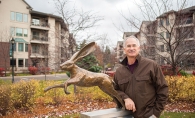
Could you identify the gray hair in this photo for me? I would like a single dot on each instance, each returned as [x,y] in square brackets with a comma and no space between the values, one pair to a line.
[132,37]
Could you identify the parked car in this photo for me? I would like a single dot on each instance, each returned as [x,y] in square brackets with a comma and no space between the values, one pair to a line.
[110,73]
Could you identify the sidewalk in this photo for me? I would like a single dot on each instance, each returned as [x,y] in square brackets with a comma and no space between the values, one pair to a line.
[38,77]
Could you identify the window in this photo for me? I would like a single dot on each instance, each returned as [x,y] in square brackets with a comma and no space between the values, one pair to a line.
[10,49]
[161,22]
[20,47]
[35,35]
[26,62]
[25,32]
[153,50]
[35,21]
[167,35]
[13,62]
[16,16]
[162,35]
[18,31]
[19,17]
[162,60]
[162,48]
[20,62]
[189,20]
[12,15]
[35,49]
[26,47]
[167,21]
[25,17]
[168,49]
[12,31]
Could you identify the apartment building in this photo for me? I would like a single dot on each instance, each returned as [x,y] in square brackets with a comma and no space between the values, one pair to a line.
[119,51]
[171,32]
[41,39]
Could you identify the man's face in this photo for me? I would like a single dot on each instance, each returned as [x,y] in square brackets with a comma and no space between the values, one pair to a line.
[131,47]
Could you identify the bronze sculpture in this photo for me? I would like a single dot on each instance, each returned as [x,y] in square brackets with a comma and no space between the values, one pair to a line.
[84,78]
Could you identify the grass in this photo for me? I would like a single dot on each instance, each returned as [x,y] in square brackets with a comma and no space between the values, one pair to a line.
[164,115]
[177,115]
[5,82]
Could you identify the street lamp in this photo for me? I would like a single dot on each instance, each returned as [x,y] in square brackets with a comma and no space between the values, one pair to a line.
[12,41]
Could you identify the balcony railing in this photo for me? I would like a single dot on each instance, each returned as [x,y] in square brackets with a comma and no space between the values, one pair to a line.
[43,24]
[38,38]
[39,54]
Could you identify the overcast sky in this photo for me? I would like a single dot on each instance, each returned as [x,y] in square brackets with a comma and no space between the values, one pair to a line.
[109,9]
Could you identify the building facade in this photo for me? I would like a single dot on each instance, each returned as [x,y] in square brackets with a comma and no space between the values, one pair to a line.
[170,38]
[41,39]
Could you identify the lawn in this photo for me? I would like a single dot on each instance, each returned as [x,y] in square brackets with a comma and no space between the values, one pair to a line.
[177,115]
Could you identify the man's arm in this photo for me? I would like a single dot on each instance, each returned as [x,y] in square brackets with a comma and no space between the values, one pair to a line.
[161,92]
[129,104]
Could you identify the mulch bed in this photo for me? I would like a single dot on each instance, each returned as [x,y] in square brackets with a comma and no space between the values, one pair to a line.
[75,107]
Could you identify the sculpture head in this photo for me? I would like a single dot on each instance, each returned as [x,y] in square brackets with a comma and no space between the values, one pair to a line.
[70,64]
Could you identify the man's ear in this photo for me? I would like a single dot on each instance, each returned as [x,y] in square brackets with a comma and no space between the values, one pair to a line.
[139,48]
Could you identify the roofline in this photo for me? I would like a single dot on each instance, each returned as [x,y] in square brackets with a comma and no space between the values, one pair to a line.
[27,4]
[46,14]
[51,15]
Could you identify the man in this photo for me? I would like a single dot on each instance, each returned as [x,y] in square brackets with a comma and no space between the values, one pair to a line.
[140,82]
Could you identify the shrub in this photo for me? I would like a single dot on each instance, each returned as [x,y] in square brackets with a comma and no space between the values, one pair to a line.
[45,70]
[1,72]
[5,104]
[95,68]
[181,88]
[167,70]
[183,73]
[23,94]
[68,73]
[193,73]
[33,70]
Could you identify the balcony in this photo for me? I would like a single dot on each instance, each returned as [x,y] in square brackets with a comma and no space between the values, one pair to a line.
[42,26]
[38,39]
[38,55]
[186,23]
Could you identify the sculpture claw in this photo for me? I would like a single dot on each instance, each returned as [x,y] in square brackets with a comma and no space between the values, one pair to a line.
[66,92]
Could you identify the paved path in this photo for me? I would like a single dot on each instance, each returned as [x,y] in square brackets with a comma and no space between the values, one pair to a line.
[38,77]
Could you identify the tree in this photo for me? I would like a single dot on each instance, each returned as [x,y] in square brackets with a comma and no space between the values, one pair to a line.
[89,62]
[40,53]
[167,36]
[98,53]
[5,50]
[106,57]
[76,20]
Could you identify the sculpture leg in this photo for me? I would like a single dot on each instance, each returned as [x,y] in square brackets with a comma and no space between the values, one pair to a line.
[113,93]
[65,87]
[69,82]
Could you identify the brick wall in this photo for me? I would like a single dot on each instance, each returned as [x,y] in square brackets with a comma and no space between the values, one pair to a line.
[4,55]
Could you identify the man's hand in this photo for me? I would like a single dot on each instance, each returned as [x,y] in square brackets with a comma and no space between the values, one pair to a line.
[129,104]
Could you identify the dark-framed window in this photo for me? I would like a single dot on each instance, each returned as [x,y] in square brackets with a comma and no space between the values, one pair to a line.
[20,62]
[167,21]
[26,62]
[26,47]
[14,62]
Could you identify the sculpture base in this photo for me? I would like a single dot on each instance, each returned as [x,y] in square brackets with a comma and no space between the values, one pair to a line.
[107,113]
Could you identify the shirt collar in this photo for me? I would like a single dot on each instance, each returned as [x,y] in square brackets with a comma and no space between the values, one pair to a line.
[124,61]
